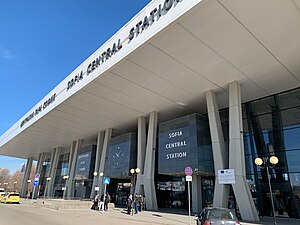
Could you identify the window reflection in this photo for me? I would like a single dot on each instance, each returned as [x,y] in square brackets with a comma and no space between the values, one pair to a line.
[292,138]
[263,106]
[274,128]
[249,164]
[291,117]
[289,99]
[293,160]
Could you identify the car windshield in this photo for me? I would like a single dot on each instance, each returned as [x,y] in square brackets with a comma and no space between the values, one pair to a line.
[220,214]
[14,195]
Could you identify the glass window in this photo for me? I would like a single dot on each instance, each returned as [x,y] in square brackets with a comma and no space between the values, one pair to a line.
[292,138]
[224,115]
[244,114]
[247,145]
[295,181]
[245,126]
[262,145]
[262,124]
[291,117]
[293,160]
[289,99]
[249,164]
[262,106]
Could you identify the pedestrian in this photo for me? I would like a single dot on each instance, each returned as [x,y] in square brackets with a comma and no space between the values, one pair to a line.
[95,202]
[28,195]
[140,203]
[143,203]
[106,201]
[136,203]
[101,206]
[129,204]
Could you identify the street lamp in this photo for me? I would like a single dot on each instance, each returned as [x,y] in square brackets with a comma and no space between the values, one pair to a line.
[15,185]
[99,199]
[134,173]
[47,181]
[96,182]
[66,177]
[267,162]
[28,191]
[5,185]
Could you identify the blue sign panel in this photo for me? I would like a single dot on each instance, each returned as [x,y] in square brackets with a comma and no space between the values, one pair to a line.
[36,182]
[106,180]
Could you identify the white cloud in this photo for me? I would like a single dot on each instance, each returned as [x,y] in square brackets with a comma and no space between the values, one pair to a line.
[7,54]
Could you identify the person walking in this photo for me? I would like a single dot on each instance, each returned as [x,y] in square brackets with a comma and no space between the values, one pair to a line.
[106,201]
[129,204]
[143,205]
[95,202]
[136,201]
[101,206]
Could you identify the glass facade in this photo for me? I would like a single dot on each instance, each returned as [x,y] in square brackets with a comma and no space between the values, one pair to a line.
[185,142]
[62,170]
[121,156]
[273,128]
[172,192]
[84,169]
[44,174]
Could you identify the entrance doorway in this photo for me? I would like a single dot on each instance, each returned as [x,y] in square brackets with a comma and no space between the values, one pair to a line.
[83,189]
[172,193]
[119,191]
[207,185]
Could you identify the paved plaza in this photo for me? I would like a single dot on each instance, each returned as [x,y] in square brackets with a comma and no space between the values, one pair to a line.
[29,213]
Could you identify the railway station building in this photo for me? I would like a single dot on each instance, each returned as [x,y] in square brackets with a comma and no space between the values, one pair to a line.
[208,84]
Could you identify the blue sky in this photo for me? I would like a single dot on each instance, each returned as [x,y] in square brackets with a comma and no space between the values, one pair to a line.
[41,42]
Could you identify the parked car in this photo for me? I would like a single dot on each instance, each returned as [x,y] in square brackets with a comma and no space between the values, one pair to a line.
[11,198]
[2,195]
[216,216]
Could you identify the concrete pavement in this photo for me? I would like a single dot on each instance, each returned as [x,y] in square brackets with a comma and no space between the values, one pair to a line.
[30,213]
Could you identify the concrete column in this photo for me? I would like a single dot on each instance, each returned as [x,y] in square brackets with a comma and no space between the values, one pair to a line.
[141,152]
[107,137]
[47,187]
[148,178]
[53,170]
[38,170]
[100,141]
[71,181]
[40,162]
[196,194]
[68,183]
[237,156]
[220,156]
[26,176]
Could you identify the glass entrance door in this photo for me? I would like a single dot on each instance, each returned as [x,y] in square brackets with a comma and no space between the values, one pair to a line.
[207,191]
[172,193]
[119,190]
